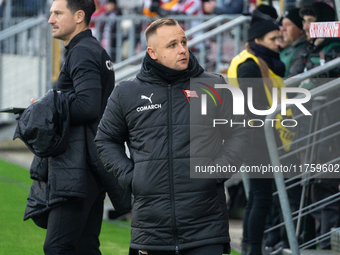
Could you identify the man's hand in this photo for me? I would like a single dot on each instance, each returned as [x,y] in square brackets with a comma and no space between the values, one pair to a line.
[32,100]
[209,7]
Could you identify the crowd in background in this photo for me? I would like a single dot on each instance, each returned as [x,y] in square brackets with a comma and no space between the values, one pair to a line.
[297,51]
[285,51]
[24,8]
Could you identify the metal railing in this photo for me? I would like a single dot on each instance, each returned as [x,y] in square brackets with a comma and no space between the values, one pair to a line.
[297,79]
[14,9]
[210,22]
[122,36]
[25,59]
[276,155]
[225,41]
[6,23]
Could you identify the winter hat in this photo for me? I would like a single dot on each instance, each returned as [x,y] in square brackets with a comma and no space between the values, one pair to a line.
[260,25]
[294,16]
[268,9]
[322,11]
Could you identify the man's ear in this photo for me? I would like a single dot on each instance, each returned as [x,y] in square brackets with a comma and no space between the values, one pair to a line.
[256,41]
[80,16]
[151,52]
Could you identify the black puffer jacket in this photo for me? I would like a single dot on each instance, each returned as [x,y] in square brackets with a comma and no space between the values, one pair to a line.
[171,211]
[88,74]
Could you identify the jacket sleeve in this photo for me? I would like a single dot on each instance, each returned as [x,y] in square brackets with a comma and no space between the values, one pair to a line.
[297,66]
[39,169]
[237,138]
[84,68]
[111,135]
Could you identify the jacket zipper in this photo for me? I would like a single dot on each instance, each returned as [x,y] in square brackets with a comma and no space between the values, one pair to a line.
[172,195]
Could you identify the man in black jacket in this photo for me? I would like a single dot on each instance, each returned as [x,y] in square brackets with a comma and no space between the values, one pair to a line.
[75,181]
[172,213]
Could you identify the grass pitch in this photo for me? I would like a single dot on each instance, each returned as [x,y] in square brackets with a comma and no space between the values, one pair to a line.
[24,237]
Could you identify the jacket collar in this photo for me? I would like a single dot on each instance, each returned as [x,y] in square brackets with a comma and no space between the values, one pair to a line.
[147,74]
[301,39]
[78,37]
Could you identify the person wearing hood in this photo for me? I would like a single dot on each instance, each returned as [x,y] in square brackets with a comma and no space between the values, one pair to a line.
[258,67]
[159,115]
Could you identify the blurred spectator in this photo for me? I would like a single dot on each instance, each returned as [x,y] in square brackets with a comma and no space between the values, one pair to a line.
[34,7]
[292,46]
[329,48]
[295,38]
[228,7]
[258,67]
[282,43]
[252,6]
[271,11]
[268,9]
[100,9]
[151,6]
[154,8]
[28,8]
[290,32]
[108,28]
[182,7]
[322,50]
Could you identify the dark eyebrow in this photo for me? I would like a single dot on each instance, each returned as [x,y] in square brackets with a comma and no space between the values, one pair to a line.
[175,40]
[171,42]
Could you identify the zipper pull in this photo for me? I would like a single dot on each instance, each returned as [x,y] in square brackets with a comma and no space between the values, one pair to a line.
[177,250]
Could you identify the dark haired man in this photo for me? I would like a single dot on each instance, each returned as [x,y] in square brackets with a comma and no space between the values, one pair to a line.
[76,178]
[172,213]
[74,227]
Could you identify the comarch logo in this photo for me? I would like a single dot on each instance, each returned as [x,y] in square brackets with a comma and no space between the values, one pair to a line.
[151,106]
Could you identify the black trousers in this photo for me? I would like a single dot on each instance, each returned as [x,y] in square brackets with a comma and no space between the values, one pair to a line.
[73,228]
[215,249]
[259,202]
[257,209]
